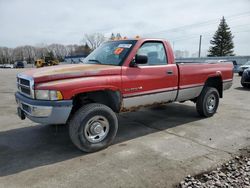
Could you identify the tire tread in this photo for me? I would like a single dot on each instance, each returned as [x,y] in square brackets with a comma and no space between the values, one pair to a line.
[75,122]
[200,101]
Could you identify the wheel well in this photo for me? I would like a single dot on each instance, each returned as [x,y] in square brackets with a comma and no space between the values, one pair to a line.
[215,82]
[109,98]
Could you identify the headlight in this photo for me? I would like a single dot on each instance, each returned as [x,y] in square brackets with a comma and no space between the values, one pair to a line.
[48,95]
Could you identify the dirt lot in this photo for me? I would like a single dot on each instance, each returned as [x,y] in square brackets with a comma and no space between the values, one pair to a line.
[155,147]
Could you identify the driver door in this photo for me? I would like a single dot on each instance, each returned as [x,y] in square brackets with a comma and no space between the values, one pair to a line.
[154,82]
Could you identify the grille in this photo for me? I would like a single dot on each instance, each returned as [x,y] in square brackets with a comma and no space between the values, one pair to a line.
[24,82]
[26,108]
[25,90]
[25,85]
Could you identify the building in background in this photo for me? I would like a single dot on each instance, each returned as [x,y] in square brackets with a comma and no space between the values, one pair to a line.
[181,54]
[74,59]
[240,60]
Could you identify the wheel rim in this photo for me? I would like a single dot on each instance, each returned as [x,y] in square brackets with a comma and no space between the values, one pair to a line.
[211,103]
[96,129]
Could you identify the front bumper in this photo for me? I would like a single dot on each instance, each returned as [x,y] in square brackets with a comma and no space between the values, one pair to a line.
[44,112]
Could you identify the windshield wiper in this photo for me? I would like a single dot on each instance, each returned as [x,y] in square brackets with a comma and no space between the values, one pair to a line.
[95,60]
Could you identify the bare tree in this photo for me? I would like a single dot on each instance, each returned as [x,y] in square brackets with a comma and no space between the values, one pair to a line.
[94,40]
[71,49]
[31,53]
[18,53]
[59,50]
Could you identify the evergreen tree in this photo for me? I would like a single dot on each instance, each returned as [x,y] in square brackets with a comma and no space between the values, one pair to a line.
[112,37]
[87,49]
[222,42]
[118,36]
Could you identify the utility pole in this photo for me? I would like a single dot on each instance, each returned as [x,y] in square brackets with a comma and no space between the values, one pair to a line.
[200,46]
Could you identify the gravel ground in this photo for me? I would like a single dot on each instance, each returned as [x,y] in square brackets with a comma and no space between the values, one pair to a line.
[232,174]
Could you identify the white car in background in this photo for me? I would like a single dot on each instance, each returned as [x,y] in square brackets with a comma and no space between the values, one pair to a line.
[9,66]
[243,67]
[6,66]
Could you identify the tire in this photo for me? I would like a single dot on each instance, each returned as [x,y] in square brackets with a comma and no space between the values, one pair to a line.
[207,102]
[244,85]
[240,73]
[82,127]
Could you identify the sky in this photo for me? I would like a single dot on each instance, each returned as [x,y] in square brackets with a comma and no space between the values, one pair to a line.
[181,22]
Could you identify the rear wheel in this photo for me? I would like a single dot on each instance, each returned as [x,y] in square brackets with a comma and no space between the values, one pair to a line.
[207,102]
[93,127]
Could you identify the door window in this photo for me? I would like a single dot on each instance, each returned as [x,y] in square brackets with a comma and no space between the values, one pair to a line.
[155,52]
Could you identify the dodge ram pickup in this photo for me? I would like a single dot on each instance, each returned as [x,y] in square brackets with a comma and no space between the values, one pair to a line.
[119,76]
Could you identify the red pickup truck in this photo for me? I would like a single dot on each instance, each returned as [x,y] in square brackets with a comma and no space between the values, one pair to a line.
[120,75]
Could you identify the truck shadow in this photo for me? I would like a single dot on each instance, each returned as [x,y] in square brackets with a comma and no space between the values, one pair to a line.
[34,146]
[242,88]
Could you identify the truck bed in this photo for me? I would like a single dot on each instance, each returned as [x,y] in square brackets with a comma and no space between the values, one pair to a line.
[193,77]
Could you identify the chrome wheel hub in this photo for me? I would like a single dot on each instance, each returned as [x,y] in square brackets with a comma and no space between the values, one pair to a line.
[211,102]
[96,129]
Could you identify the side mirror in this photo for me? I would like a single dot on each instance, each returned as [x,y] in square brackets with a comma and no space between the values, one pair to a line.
[139,59]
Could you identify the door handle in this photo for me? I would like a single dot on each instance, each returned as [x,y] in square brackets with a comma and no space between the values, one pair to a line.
[169,72]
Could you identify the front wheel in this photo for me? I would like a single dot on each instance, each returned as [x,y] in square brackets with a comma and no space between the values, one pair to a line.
[207,102]
[93,127]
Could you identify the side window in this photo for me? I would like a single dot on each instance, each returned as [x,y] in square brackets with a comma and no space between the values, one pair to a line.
[155,52]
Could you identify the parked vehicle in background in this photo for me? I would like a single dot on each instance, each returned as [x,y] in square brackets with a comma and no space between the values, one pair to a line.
[46,61]
[119,76]
[9,66]
[6,66]
[245,79]
[236,66]
[243,67]
[19,64]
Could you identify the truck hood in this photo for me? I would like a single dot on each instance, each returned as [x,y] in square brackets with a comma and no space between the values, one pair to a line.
[59,72]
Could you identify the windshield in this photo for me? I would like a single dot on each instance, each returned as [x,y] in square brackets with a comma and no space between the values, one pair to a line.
[110,53]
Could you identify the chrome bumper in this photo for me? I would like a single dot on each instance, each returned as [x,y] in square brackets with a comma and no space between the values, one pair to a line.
[45,112]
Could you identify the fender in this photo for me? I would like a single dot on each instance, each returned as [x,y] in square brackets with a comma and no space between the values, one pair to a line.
[216,74]
[93,89]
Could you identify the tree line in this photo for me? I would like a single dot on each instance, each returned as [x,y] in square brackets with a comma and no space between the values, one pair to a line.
[31,53]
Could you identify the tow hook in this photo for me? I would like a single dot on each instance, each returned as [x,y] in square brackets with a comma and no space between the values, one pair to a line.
[20,113]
